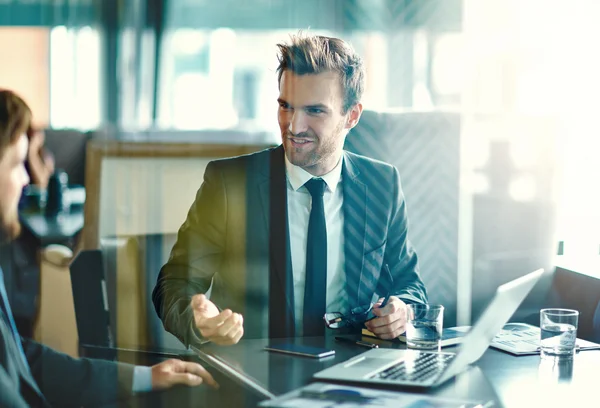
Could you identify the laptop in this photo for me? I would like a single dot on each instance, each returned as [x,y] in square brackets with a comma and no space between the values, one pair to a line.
[416,368]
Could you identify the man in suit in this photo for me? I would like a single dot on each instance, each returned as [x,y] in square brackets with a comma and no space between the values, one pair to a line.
[277,238]
[32,375]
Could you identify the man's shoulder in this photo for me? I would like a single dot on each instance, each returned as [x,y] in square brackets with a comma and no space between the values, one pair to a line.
[247,168]
[245,160]
[366,165]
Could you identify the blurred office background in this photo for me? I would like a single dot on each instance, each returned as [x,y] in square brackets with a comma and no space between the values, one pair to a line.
[488,107]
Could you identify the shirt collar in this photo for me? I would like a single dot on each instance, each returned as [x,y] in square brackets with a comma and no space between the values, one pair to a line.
[297,176]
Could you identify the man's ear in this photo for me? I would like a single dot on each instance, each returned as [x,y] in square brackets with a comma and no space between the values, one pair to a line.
[354,115]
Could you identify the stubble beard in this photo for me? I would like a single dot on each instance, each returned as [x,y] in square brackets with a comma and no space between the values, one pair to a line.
[319,153]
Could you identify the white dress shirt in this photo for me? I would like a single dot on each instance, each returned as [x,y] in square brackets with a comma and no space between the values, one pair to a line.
[299,204]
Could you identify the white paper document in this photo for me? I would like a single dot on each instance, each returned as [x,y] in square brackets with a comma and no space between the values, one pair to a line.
[320,395]
[523,339]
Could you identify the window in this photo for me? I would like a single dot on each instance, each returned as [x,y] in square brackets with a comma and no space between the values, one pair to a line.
[75,80]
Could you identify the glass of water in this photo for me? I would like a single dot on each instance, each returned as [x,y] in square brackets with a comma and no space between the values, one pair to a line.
[558,332]
[424,326]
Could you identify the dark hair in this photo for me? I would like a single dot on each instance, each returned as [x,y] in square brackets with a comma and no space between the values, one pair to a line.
[15,118]
[316,54]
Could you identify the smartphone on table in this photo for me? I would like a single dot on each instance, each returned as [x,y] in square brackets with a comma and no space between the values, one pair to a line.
[299,350]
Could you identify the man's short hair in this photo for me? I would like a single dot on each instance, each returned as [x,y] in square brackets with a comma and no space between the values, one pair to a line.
[15,118]
[316,54]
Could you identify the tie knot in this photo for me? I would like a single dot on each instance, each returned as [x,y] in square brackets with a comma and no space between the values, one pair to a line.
[316,187]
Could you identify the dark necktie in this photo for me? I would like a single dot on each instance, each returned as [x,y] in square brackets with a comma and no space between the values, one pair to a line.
[316,262]
[5,313]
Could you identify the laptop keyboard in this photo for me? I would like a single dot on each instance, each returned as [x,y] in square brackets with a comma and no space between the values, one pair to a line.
[416,369]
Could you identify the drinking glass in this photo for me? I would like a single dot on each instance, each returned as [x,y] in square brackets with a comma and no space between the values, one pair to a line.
[558,332]
[424,326]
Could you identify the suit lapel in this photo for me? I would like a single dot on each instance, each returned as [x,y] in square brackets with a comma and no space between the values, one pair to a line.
[273,192]
[28,381]
[29,385]
[355,229]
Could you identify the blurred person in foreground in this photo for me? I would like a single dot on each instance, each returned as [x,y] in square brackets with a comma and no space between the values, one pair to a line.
[32,375]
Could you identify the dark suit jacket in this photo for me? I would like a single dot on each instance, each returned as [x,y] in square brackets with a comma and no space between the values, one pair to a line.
[56,379]
[235,242]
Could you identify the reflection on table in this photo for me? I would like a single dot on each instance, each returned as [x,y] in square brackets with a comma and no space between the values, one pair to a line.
[500,377]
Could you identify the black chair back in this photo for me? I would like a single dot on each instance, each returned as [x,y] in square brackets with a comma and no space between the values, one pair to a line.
[90,299]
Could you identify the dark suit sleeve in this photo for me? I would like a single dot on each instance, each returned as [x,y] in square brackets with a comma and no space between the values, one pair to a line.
[67,381]
[195,258]
[400,255]
[9,394]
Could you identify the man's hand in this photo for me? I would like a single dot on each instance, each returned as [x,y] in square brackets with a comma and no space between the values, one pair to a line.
[37,138]
[391,319]
[223,328]
[173,372]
